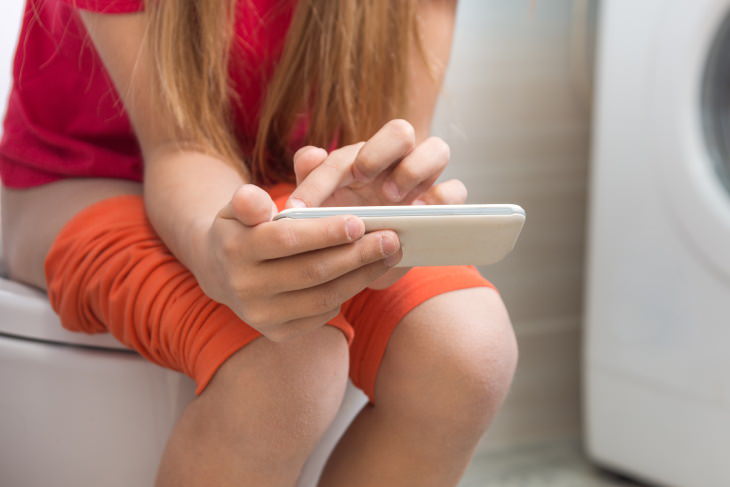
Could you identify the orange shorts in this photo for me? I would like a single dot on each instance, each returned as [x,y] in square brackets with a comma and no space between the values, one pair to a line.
[108,271]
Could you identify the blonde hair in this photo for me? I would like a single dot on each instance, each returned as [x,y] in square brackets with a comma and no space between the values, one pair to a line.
[343,67]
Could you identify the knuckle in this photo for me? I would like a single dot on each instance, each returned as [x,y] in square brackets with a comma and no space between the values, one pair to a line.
[368,251]
[240,287]
[230,246]
[331,314]
[324,318]
[331,164]
[336,230]
[439,193]
[259,316]
[326,300]
[285,237]
[280,334]
[440,146]
[403,131]
[408,173]
[366,164]
[373,251]
[301,151]
[313,272]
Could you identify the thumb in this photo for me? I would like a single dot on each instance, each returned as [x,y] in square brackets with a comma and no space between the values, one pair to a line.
[306,159]
[249,205]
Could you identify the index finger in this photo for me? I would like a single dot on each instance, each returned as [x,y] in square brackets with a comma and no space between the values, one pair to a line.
[326,178]
[395,140]
[288,236]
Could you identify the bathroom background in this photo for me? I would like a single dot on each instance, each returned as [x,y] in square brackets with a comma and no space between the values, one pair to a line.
[516,110]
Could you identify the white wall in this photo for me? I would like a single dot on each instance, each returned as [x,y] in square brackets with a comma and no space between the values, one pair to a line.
[515,111]
[10,13]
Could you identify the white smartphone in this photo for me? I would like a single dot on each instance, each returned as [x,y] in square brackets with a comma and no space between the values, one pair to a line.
[437,234]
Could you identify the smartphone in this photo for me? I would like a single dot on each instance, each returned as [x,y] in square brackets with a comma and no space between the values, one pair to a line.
[432,235]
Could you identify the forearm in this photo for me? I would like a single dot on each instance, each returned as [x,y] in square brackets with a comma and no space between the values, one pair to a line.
[436,25]
[183,192]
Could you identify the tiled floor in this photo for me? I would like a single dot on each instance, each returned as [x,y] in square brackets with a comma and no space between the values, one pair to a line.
[557,464]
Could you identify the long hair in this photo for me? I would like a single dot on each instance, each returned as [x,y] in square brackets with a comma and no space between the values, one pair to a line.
[343,69]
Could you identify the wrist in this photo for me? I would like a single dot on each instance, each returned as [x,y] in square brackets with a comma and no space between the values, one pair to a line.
[198,248]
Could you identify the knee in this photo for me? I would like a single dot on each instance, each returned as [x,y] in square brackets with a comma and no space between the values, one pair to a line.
[456,377]
[273,401]
[473,380]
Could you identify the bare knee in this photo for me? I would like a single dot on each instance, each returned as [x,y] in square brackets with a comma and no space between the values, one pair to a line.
[271,402]
[456,371]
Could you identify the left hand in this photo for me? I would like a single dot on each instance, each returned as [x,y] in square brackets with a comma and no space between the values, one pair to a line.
[388,169]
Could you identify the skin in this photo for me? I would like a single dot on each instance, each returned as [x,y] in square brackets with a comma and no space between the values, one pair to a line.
[269,404]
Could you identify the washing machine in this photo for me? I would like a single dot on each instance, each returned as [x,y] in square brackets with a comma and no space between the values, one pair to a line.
[657,354]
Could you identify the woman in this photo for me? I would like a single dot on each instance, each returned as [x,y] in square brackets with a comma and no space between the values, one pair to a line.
[147,146]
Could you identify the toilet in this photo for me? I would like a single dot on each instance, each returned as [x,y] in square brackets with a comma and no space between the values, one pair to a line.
[83,410]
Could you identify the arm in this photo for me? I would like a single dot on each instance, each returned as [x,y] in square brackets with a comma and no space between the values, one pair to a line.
[33,217]
[183,190]
[436,24]
[283,278]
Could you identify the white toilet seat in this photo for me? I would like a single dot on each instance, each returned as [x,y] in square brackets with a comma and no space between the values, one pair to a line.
[26,313]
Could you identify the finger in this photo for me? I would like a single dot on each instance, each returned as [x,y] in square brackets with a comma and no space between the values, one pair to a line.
[451,192]
[324,179]
[325,297]
[306,159]
[289,236]
[390,144]
[389,279]
[316,268]
[426,162]
[249,205]
[416,192]
[295,328]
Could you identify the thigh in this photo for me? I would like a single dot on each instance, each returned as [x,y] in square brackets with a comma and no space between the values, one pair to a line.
[376,314]
[290,379]
[108,271]
[33,217]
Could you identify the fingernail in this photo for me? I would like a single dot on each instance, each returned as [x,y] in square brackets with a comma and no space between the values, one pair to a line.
[354,228]
[296,203]
[389,243]
[391,191]
[418,202]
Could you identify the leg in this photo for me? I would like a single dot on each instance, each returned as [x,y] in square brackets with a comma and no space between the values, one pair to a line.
[446,370]
[262,414]
[266,406]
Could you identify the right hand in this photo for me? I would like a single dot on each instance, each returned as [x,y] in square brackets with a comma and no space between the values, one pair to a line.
[287,277]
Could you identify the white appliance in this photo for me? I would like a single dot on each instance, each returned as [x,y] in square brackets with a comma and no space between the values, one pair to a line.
[81,410]
[657,357]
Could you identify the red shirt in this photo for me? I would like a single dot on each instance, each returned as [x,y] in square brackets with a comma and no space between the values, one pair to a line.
[64,117]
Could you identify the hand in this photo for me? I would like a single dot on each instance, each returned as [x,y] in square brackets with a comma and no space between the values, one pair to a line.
[287,277]
[388,169]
